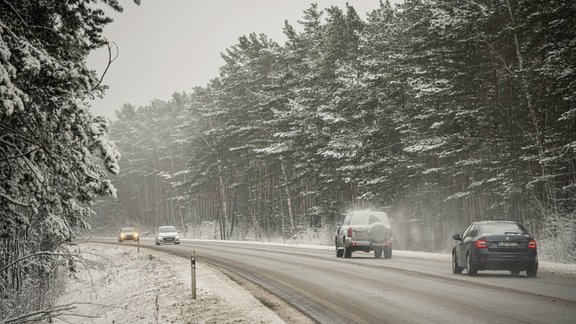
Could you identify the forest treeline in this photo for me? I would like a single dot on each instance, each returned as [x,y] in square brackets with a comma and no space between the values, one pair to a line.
[439,112]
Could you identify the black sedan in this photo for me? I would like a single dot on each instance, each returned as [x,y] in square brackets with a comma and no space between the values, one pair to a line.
[495,245]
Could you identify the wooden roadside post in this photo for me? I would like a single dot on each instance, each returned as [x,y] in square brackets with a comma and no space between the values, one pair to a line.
[138,244]
[193,273]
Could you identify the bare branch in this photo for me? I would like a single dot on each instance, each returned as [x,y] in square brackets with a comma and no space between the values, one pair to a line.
[7,158]
[9,30]
[110,60]
[16,12]
[52,312]
[68,255]
[38,315]
[32,26]
[14,201]
[7,162]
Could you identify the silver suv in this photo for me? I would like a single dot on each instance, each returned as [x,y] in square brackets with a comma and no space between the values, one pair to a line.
[167,234]
[364,231]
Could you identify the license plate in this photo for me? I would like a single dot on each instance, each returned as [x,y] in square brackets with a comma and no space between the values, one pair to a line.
[508,244]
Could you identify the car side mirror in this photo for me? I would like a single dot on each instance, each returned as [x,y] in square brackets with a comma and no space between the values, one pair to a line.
[457,237]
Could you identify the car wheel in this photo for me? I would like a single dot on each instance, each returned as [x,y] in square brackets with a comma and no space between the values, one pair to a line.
[339,252]
[157,243]
[177,243]
[388,253]
[378,253]
[347,251]
[455,268]
[470,267]
[532,271]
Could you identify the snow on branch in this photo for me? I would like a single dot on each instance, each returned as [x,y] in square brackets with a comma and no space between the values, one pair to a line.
[66,255]
[53,312]
[14,201]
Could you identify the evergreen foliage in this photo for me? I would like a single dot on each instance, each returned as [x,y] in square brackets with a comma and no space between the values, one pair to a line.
[54,155]
[443,112]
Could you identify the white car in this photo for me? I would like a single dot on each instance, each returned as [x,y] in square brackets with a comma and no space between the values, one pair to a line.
[167,234]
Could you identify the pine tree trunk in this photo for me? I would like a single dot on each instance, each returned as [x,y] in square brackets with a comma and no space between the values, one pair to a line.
[223,204]
[251,209]
[288,198]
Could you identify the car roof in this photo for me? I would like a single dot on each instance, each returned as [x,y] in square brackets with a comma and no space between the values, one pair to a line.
[494,222]
[367,211]
[364,214]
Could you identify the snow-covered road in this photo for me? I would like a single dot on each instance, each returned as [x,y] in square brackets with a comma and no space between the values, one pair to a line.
[118,284]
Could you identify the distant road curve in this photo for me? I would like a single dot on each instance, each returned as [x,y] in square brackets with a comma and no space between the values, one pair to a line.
[398,290]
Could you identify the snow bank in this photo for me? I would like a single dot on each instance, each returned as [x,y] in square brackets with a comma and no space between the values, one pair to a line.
[117,284]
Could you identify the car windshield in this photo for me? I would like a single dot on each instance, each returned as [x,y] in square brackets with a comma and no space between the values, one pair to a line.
[127,229]
[167,229]
[502,228]
[367,218]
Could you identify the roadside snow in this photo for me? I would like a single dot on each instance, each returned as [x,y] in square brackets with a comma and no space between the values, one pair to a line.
[117,284]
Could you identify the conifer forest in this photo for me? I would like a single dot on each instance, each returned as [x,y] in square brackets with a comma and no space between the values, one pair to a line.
[439,112]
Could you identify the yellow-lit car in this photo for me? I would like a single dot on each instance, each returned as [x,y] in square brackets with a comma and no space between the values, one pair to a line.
[128,234]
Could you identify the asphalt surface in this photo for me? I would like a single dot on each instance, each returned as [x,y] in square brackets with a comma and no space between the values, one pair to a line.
[363,289]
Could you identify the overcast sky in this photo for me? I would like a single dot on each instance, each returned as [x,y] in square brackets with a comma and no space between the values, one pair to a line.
[173,46]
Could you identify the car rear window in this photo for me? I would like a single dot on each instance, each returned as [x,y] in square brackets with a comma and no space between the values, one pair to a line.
[502,228]
[367,218]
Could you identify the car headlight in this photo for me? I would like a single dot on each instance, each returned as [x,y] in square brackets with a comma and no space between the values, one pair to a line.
[122,235]
[135,234]
[177,237]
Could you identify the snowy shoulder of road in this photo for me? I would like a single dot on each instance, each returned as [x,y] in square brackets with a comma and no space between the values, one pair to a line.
[118,284]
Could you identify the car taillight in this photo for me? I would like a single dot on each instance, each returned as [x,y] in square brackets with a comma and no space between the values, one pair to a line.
[532,244]
[481,244]
[349,232]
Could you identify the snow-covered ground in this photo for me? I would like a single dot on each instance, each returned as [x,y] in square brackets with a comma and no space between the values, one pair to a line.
[117,284]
